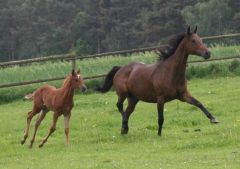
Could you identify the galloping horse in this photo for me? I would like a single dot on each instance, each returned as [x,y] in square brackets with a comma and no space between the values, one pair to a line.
[60,101]
[160,82]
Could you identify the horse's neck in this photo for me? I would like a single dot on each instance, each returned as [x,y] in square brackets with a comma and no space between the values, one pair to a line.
[180,61]
[177,64]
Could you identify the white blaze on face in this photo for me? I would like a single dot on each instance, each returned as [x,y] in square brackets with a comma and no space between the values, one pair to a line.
[78,76]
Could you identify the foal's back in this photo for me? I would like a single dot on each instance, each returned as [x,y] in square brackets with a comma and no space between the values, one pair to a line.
[46,96]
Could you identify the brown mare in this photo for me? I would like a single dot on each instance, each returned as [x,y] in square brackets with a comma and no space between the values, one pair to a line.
[60,101]
[160,82]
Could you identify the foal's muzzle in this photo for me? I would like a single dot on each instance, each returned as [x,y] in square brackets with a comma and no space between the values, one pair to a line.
[83,89]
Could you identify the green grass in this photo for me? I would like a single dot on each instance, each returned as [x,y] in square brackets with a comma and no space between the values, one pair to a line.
[96,142]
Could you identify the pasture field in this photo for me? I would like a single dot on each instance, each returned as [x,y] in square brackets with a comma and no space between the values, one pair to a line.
[96,66]
[189,141]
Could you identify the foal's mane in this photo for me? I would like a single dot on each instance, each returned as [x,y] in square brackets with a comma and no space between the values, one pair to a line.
[66,81]
[173,42]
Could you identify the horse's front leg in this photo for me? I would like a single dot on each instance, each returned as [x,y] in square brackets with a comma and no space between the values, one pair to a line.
[160,108]
[186,97]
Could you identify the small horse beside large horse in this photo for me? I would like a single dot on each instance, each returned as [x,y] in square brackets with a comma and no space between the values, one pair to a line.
[60,101]
[160,82]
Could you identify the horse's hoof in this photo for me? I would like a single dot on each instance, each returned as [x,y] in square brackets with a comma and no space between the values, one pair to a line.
[124,131]
[22,142]
[40,145]
[30,146]
[214,121]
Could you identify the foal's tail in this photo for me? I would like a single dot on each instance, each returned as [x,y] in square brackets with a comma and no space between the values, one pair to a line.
[108,80]
[29,96]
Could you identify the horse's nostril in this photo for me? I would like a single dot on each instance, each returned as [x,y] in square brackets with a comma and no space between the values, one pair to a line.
[208,53]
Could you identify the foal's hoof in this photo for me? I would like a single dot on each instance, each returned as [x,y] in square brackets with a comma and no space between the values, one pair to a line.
[30,146]
[124,131]
[40,145]
[214,121]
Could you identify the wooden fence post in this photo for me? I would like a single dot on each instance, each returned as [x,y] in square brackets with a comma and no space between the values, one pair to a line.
[73,56]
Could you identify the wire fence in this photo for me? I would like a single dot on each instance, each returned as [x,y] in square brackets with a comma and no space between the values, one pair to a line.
[73,58]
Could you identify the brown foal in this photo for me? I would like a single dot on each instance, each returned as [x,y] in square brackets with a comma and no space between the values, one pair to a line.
[160,82]
[60,101]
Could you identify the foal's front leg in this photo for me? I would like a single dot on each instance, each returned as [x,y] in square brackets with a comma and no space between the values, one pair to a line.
[66,126]
[191,100]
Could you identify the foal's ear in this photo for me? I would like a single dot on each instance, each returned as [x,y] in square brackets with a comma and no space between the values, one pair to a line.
[195,30]
[73,72]
[188,31]
[78,71]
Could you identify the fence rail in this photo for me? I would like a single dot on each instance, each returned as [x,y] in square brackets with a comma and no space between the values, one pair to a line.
[72,57]
[102,75]
[46,80]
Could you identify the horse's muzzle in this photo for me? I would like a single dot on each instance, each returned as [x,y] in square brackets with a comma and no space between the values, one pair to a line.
[206,55]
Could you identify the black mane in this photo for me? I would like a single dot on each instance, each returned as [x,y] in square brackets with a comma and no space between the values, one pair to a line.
[171,46]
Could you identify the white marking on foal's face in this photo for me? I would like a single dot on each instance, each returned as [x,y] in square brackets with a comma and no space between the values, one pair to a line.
[78,76]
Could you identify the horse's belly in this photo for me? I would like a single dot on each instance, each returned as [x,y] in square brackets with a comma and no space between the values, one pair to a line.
[146,96]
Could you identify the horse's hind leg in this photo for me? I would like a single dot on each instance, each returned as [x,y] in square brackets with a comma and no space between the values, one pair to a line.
[31,114]
[125,116]
[38,122]
[121,99]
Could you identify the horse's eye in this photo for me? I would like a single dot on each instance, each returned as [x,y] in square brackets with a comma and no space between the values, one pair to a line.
[76,80]
[193,41]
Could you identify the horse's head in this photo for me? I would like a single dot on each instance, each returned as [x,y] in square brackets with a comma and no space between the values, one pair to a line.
[77,81]
[194,44]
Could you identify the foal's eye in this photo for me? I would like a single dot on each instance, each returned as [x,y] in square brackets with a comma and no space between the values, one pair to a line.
[193,41]
[76,80]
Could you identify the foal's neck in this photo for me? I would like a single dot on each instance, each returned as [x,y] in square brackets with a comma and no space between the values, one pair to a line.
[67,89]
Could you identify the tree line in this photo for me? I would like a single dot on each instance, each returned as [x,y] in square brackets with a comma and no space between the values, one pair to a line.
[34,28]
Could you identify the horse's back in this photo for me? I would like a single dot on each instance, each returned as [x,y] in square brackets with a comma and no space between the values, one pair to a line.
[135,79]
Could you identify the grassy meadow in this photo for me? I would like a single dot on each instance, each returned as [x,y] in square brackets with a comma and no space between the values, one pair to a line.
[189,141]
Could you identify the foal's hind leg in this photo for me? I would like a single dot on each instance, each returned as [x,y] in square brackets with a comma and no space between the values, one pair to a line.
[38,122]
[51,130]
[125,116]
[31,114]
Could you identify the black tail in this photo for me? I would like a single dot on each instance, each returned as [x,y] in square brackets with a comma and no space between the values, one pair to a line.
[108,80]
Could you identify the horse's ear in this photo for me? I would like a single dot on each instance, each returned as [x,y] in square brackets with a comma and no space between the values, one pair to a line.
[188,31]
[73,72]
[78,71]
[195,30]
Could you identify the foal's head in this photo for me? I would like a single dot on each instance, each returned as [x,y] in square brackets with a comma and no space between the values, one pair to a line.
[77,81]
[194,44]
